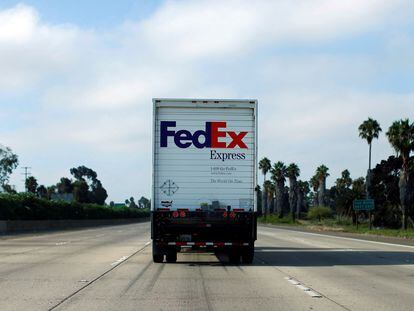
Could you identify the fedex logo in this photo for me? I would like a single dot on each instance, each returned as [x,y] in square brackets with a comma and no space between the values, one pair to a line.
[212,134]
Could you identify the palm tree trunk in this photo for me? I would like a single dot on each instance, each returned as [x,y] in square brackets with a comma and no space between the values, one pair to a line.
[299,204]
[264,202]
[293,197]
[279,198]
[403,185]
[369,163]
[368,179]
[321,193]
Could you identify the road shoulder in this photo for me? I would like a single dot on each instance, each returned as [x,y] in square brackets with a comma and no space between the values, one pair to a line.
[364,237]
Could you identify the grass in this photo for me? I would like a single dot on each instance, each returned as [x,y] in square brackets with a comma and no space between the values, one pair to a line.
[337,225]
[276,220]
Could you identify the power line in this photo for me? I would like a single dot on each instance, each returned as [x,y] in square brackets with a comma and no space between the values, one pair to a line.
[26,175]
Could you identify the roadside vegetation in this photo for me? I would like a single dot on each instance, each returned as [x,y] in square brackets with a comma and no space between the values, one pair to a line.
[310,203]
[30,207]
[336,224]
[80,197]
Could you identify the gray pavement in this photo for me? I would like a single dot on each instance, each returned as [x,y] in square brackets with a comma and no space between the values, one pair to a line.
[110,268]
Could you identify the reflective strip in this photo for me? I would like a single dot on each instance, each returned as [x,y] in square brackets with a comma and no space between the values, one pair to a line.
[216,244]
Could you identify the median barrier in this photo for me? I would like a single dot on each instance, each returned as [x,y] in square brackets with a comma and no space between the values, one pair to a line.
[19,226]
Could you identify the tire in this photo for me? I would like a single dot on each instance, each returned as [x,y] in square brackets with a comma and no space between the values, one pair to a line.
[157,258]
[157,255]
[171,256]
[248,255]
[234,257]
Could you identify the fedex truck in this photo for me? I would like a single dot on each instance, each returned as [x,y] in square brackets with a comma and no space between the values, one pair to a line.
[204,177]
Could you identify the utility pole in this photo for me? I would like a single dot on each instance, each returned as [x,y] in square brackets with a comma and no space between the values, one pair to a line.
[26,175]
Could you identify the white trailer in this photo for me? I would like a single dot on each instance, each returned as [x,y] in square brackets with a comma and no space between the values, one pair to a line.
[204,176]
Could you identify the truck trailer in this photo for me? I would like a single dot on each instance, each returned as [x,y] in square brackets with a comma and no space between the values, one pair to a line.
[204,177]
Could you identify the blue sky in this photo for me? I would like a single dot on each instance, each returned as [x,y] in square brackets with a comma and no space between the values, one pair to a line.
[77,79]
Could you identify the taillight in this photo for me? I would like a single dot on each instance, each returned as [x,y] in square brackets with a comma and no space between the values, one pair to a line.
[232,214]
[225,214]
[182,214]
[175,214]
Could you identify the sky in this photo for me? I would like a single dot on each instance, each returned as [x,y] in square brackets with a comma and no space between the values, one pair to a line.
[77,79]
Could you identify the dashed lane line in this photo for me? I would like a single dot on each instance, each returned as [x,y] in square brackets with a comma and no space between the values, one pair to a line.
[98,277]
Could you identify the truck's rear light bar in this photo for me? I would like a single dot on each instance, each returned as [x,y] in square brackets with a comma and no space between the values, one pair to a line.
[238,210]
[204,244]
[164,209]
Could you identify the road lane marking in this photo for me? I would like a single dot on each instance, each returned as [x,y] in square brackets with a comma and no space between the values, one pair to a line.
[313,294]
[302,287]
[345,238]
[123,258]
[96,279]
[62,243]
[292,281]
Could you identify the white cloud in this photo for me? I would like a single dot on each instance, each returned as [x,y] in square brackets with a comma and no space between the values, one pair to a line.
[203,29]
[89,92]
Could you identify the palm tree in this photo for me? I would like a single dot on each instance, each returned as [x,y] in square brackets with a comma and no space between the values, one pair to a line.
[314,183]
[269,190]
[401,137]
[303,190]
[368,130]
[322,174]
[279,177]
[264,165]
[292,172]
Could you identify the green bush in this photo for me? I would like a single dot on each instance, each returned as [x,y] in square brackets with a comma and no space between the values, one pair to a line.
[276,220]
[319,213]
[29,207]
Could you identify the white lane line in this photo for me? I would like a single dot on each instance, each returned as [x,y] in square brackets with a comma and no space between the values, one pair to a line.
[123,258]
[313,294]
[62,243]
[312,250]
[302,287]
[345,238]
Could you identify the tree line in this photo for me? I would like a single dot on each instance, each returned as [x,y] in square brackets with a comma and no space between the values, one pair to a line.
[390,183]
[83,187]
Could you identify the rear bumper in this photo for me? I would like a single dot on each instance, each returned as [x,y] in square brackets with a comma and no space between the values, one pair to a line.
[204,229]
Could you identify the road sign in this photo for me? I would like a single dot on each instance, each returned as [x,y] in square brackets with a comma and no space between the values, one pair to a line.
[364,205]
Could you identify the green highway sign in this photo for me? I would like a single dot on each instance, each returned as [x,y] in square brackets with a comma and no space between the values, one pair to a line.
[364,205]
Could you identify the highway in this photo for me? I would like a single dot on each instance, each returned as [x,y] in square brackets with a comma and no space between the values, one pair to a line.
[110,268]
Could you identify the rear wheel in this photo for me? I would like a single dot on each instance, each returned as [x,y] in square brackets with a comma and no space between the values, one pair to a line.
[248,255]
[157,255]
[234,256]
[171,256]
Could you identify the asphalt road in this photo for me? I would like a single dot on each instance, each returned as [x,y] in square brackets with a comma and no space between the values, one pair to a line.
[110,268]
